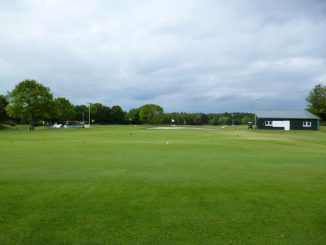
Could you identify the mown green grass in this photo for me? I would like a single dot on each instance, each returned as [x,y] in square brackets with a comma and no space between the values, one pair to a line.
[125,185]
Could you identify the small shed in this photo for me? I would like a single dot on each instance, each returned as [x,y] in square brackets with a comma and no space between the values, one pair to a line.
[287,120]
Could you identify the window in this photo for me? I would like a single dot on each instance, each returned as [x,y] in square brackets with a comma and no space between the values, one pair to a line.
[306,124]
[268,123]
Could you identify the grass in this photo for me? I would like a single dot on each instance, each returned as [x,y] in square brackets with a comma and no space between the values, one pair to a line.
[125,185]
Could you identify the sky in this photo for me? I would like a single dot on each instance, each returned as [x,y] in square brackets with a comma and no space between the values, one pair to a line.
[206,56]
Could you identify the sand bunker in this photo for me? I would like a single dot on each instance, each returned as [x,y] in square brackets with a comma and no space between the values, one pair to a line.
[174,128]
[167,128]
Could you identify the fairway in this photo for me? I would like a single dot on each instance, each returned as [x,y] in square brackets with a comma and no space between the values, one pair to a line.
[136,185]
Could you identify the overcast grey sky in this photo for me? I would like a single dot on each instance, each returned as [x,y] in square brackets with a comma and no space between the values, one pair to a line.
[185,55]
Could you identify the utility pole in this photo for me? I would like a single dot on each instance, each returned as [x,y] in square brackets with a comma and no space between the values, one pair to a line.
[89,114]
[256,102]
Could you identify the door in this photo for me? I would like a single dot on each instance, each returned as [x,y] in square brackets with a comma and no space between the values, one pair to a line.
[286,125]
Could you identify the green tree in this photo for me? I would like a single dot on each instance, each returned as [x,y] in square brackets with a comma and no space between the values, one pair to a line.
[100,113]
[201,119]
[247,119]
[3,104]
[151,113]
[317,101]
[31,101]
[224,120]
[117,115]
[64,110]
[81,113]
[133,116]
[213,121]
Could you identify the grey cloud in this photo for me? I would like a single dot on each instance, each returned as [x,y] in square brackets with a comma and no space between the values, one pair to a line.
[207,56]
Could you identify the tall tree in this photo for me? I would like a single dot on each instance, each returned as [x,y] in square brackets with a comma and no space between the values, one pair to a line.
[100,113]
[3,104]
[133,116]
[247,119]
[81,113]
[117,115]
[64,110]
[31,101]
[151,113]
[317,101]
[224,120]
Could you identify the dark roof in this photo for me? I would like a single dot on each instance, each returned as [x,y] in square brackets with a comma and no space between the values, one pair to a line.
[286,114]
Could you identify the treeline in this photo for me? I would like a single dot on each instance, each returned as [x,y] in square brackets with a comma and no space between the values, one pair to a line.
[31,102]
[236,118]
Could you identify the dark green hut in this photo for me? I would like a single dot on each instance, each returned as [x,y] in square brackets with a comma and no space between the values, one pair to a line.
[287,120]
